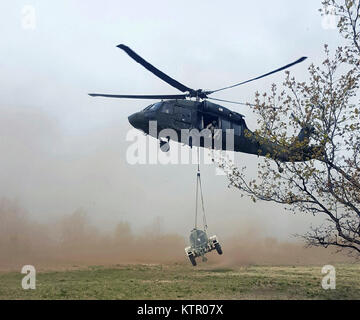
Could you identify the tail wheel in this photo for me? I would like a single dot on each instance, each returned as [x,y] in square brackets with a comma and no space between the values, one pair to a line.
[192,259]
[218,248]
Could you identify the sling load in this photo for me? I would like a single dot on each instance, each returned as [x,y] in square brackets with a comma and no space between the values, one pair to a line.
[200,243]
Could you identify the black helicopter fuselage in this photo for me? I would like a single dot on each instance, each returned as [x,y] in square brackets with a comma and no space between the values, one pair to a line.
[180,115]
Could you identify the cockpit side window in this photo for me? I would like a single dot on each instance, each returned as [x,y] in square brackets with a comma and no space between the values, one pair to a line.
[167,108]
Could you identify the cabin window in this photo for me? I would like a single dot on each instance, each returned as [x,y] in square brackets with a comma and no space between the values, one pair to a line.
[167,108]
[210,119]
[225,124]
[237,129]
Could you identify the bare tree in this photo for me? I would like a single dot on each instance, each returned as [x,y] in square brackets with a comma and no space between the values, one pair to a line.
[326,106]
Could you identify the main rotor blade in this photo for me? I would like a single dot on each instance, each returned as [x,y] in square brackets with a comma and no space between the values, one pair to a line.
[170,96]
[262,76]
[154,70]
[235,102]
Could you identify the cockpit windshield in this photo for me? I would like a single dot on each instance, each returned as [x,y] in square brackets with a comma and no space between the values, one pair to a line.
[154,107]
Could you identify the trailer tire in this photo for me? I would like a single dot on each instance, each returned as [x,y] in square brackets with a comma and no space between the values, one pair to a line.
[218,248]
[192,259]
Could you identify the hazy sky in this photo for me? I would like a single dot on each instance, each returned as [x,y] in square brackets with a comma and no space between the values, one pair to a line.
[61,149]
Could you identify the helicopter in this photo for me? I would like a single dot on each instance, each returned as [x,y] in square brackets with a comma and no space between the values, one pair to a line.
[193,110]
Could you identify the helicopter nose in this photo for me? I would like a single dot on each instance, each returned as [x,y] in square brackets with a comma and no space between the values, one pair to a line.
[132,119]
[136,120]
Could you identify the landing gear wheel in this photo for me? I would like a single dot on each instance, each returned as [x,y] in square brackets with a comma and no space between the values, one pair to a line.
[192,259]
[218,248]
[164,146]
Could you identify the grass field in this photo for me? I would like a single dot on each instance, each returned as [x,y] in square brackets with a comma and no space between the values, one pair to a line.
[180,281]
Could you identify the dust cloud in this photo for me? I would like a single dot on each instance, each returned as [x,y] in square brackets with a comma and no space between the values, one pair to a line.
[73,241]
[127,214]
